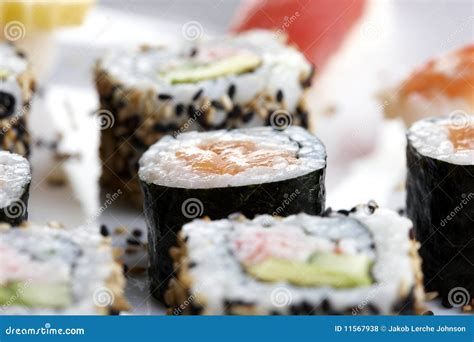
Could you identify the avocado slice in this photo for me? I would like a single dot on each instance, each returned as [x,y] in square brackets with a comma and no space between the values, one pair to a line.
[323,269]
[233,65]
[36,295]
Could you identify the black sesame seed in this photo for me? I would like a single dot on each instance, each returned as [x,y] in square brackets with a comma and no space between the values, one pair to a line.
[165,97]
[193,112]
[133,242]
[217,105]
[235,112]
[231,91]
[179,109]
[104,231]
[21,54]
[198,94]
[193,52]
[7,104]
[373,309]
[137,233]
[125,268]
[326,306]
[248,116]
[372,205]
[343,212]
[191,264]
[279,96]
[53,146]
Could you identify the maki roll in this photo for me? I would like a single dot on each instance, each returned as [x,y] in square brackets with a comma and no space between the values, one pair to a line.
[298,265]
[246,80]
[440,201]
[16,90]
[51,271]
[15,178]
[441,85]
[249,170]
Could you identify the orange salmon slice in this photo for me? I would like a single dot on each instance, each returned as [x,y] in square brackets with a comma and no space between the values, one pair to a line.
[231,157]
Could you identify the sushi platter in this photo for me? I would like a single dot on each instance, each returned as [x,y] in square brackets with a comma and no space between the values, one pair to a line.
[192,178]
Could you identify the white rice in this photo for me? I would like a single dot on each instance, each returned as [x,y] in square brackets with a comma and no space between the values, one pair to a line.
[160,166]
[430,137]
[15,175]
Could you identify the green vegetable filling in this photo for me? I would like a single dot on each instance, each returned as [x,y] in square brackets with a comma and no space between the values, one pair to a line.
[36,295]
[193,73]
[323,269]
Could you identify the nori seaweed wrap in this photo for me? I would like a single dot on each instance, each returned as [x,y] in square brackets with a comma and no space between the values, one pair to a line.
[440,202]
[15,178]
[341,263]
[252,171]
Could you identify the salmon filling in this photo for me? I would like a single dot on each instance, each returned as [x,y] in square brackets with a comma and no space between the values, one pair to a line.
[232,157]
[462,138]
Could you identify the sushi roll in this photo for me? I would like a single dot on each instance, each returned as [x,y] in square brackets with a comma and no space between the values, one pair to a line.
[15,178]
[248,170]
[440,201]
[16,91]
[246,80]
[440,86]
[341,263]
[52,271]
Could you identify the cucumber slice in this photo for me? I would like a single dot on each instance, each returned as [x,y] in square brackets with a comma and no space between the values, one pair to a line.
[6,295]
[228,66]
[37,295]
[338,271]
